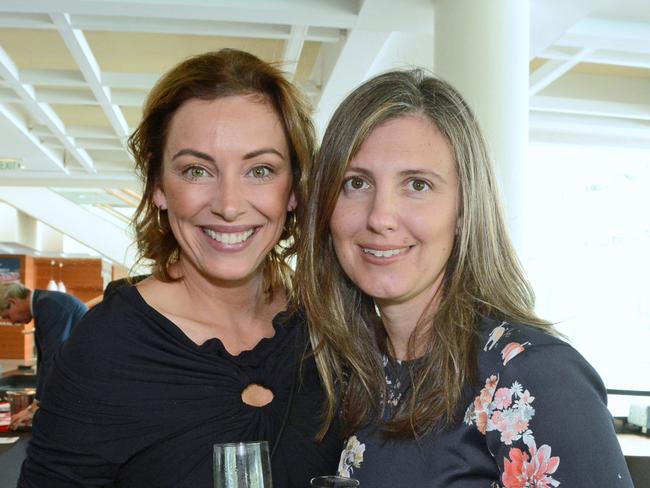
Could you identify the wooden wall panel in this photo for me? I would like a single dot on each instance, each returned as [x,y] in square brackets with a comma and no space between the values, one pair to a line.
[82,277]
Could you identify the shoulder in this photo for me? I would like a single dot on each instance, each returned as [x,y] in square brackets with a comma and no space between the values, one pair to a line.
[500,342]
[531,358]
[43,298]
[118,323]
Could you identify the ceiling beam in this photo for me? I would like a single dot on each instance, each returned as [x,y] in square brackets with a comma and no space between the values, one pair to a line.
[43,204]
[590,107]
[614,58]
[53,77]
[74,79]
[123,197]
[85,97]
[585,85]
[592,131]
[108,179]
[82,54]
[339,14]
[554,69]
[633,37]
[18,125]
[293,48]
[180,26]
[18,20]
[42,112]
[550,20]
[352,65]
[549,122]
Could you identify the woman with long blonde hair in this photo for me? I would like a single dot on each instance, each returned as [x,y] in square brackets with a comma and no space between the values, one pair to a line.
[421,318]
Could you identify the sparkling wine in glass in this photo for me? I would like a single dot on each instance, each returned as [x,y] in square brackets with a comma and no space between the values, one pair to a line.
[242,465]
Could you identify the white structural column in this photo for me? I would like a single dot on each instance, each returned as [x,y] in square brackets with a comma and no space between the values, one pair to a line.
[482,48]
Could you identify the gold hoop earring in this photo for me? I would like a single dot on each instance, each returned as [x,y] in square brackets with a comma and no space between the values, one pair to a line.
[161,229]
[290,222]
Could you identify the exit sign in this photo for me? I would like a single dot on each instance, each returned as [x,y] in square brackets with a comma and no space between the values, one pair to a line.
[8,164]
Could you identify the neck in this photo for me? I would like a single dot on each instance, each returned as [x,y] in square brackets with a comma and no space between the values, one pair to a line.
[400,320]
[235,302]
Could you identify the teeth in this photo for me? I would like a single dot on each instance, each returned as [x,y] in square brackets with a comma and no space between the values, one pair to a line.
[229,237]
[384,254]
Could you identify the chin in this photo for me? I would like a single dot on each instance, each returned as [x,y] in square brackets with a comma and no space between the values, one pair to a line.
[380,292]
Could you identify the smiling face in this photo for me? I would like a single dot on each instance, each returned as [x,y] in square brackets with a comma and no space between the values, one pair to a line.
[394,222]
[226,185]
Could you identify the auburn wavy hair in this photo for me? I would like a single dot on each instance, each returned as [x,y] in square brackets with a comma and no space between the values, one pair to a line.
[210,76]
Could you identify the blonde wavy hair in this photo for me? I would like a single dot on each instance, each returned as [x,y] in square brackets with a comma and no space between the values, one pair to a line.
[483,276]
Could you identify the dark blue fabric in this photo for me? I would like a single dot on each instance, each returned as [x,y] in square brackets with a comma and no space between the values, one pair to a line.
[539,412]
[132,402]
[55,314]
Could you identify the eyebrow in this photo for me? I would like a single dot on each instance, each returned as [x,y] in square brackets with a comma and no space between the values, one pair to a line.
[207,157]
[405,173]
[193,152]
[419,172]
[264,150]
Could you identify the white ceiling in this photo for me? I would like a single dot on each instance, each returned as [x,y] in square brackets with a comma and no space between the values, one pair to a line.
[74,74]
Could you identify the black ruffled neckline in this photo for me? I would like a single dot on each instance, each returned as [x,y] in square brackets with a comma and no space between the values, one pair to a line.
[283,323]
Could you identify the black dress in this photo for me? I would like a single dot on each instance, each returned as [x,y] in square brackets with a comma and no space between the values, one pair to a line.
[131,401]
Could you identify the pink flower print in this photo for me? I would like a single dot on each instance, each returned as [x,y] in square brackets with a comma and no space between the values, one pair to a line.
[507,436]
[525,399]
[491,383]
[511,350]
[498,421]
[503,398]
[482,422]
[523,470]
[485,397]
[521,425]
[480,409]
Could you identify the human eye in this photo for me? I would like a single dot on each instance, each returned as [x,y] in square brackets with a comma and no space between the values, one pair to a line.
[355,183]
[194,172]
[418,185]
[261,172]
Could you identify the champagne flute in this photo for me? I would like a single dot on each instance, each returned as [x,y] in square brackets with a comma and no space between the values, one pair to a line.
[333,482]
[242,465]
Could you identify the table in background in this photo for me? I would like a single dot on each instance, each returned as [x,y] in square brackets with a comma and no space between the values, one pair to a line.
[636,449]
[11,457]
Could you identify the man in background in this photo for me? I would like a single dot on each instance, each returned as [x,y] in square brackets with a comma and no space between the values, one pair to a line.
[54,314]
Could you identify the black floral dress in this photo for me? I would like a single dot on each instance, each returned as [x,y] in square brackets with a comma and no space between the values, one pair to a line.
[538,419]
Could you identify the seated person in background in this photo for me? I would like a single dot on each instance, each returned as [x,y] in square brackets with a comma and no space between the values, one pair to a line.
[204,351]
[422,317]
[55,314]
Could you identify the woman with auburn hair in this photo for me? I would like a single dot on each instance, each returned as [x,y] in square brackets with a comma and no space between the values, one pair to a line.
[421,318]
[203,351]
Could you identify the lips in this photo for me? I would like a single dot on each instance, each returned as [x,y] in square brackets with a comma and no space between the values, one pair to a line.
[228,238]
[384,253]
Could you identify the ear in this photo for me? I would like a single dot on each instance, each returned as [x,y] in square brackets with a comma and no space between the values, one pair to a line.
[293,202]
[159,198]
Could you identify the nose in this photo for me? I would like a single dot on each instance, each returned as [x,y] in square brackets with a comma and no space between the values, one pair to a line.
[383,214]
[229,201]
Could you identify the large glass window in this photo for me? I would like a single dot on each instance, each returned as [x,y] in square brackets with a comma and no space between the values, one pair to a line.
[587,253]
